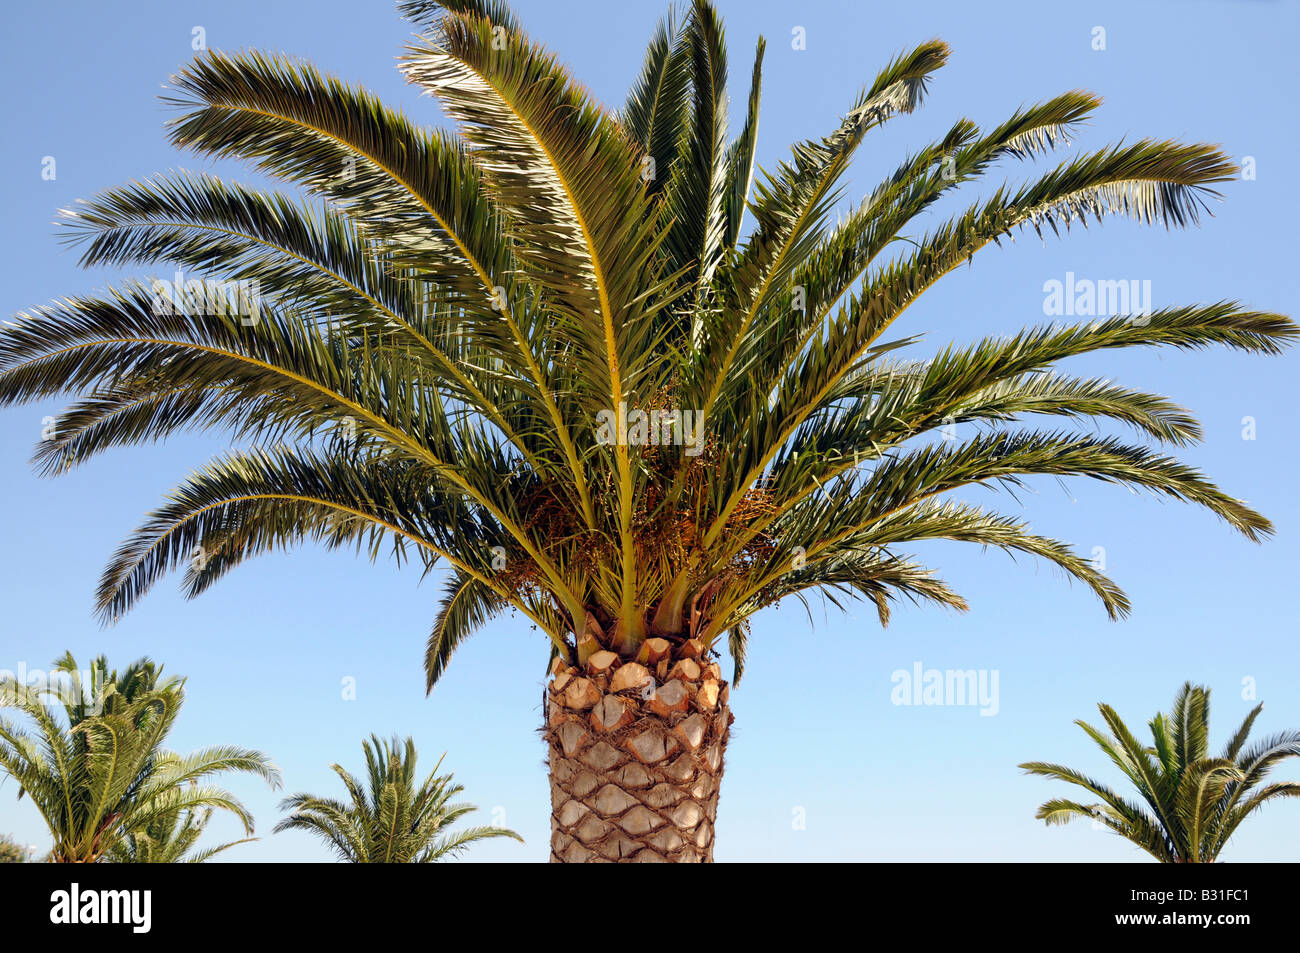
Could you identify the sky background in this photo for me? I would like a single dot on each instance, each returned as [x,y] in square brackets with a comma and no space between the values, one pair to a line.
[816,734]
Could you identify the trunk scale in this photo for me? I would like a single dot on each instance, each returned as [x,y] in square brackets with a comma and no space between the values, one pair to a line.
[636,762]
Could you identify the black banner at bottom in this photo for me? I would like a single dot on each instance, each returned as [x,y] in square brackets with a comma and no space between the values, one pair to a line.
[144,904]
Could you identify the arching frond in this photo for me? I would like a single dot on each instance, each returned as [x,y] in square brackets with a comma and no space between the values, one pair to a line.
[466,605]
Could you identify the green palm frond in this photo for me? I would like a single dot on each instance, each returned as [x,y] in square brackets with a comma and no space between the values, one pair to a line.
[740,155]
[790,206]
[417,189]
[427,12]
[659,104]
[455,844]
[466,605]
[698,191]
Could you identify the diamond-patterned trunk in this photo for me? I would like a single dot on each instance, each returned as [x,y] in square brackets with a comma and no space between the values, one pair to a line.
[636,764]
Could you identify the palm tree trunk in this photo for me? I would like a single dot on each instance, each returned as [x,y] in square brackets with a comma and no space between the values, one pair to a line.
[635,765]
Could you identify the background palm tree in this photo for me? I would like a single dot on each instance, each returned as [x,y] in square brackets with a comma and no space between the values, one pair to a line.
[548,352]
[99,775]
[1196,801]
[170,838]
[389,820]
[11,852]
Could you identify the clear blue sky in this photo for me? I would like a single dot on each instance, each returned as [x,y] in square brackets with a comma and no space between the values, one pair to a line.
[266,650]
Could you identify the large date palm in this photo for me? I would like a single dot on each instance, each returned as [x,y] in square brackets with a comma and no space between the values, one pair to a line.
[550,351]
[1191,802]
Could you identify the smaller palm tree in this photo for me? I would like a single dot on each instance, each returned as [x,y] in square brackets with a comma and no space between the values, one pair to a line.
[170,838]
[99,775]
[1196,802]
[388,820]
[12,852]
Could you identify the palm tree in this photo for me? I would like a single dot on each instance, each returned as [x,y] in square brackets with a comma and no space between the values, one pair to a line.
[1196,801]
[388,820]
[99,775]
[170,838]
[549,352]
[12,852]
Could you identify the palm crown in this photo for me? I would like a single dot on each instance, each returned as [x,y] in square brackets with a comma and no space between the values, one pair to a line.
[551,352]
[1191,802]
[11,852]
[390,819]
[170,837]
[100,777]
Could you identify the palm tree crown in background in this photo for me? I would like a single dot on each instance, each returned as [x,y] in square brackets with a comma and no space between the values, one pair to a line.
[12,852]
[388,820]
[170,837]
[614,380]
[100,777]
[1191,802]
